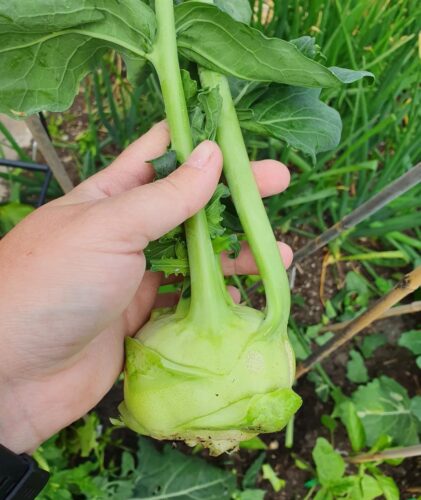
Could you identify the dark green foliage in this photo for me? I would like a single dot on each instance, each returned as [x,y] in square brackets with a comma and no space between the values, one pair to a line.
[165,164]
[384,407]
[35,36]
[170,473]
[214,40]
[295,115]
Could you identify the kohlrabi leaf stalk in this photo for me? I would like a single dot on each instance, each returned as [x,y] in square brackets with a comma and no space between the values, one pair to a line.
[206,282]
[250,208]
[212,372]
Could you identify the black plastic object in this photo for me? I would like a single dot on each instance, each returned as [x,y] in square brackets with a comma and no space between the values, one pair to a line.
[33,167]
[20,476]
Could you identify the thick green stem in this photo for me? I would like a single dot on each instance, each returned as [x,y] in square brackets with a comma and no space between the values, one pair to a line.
[208,299]
[250,207]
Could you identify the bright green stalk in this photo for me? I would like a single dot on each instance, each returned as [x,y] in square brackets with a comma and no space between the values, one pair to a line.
[250,208]
[212,372]
[208,297]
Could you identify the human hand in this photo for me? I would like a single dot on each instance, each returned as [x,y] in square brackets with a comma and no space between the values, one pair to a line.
[73,282]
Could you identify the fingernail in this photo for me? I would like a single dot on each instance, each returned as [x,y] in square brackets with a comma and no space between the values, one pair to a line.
[202,155]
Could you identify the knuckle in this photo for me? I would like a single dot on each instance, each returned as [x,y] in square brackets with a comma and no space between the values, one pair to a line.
[179,199]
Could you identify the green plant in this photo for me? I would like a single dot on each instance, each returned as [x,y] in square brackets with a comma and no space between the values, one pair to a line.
[12,211]
[357,475]
[381,416]
[335,481]
[227,369]
[75,460]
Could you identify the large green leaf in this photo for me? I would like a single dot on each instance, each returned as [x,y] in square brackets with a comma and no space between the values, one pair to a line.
[170,474]
[384,408]
[215,40]
[298,117]
[48,46]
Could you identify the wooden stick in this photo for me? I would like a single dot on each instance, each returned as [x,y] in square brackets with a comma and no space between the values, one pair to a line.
[50,154]
[395,311]
[409,451]
[406,286]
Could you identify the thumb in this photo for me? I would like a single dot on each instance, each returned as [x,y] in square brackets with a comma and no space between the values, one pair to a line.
[148,212]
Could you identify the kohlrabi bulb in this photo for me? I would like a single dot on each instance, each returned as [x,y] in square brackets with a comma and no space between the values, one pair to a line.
[215,387]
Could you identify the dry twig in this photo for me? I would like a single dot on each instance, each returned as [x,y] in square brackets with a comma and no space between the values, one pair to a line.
[406,286]
[414,307]
[407,452]
[50,154]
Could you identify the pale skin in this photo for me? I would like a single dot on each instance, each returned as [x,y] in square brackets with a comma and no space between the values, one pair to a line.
[73,282]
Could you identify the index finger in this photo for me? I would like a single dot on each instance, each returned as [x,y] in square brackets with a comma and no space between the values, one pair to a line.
[132,168]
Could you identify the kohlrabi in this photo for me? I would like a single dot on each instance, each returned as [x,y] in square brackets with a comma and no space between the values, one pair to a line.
[212,372]
[209,371]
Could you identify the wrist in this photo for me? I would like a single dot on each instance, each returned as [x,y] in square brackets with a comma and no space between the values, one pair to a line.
[18,432]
